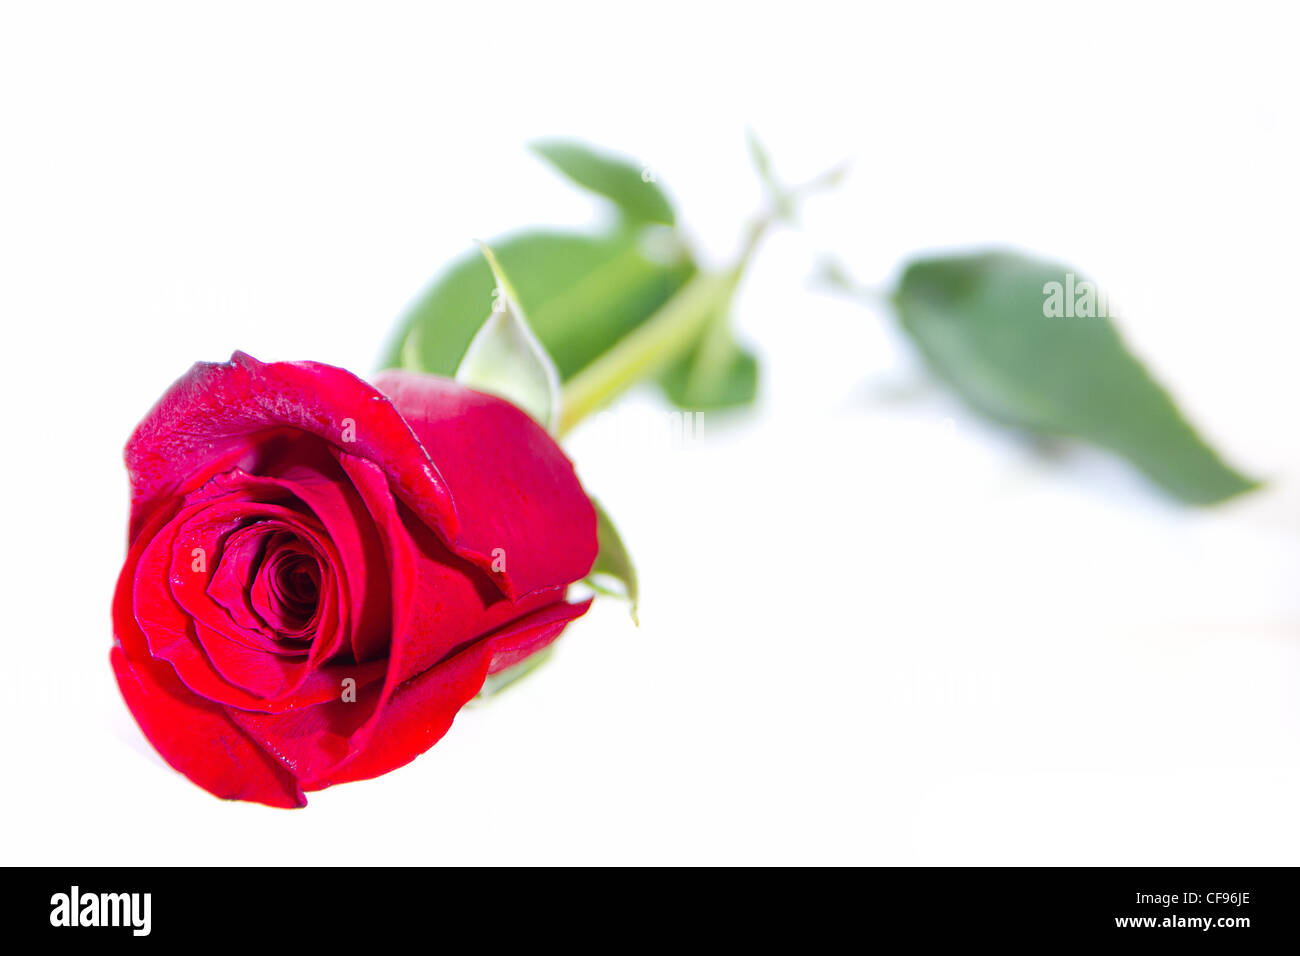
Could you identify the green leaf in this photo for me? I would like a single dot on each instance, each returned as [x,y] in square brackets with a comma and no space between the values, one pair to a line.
[581,294]
[613,572]
[981,322]
[499,681]
[629,186]
[718,372]
[506,359]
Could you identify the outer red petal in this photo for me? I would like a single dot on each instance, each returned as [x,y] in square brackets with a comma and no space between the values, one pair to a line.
[191,733]
[203,424]
[514,488]
[421,710]
[197,738]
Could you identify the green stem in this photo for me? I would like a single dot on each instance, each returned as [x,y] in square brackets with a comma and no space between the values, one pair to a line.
[649,348]
[678,324]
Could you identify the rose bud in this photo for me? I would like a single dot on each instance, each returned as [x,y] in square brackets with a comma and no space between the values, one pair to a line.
[321,573]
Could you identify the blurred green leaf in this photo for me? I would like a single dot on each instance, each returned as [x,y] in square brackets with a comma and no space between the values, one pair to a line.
[630,187]
[506,359]
[717,373]
[782,202]
[760,157]
[581,294]
[981,322]
[613,573]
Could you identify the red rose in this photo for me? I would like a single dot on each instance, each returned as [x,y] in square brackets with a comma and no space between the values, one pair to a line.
[321,573]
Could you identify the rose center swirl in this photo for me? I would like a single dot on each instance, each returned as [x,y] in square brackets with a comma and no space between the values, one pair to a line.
[286,587]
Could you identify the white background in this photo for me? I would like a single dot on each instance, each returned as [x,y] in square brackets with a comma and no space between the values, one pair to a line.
[873,630]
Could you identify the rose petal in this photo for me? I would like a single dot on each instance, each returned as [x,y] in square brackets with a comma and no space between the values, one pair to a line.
[517,497]
[192,734]
[312,475]
[203,424]
[197,738]
[199,659]
[421,711]
[229,583]
[440,602]
[337,742]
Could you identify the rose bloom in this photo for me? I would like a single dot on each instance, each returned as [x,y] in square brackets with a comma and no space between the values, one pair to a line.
[321,573]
